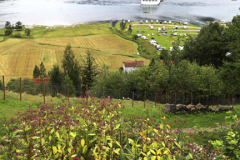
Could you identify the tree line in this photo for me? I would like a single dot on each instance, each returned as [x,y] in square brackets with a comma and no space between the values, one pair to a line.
[208,66]
[18,27]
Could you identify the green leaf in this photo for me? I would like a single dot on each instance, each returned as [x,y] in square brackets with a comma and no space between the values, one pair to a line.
[35,137]
[42,141]
[84,149]
[73,155]
[133,149]
[92,134]
[117,126]
[177,145]
[52,130]
[26,128]
[50,138]
[69,150]
[73,134]
[122,156]
[57,134]
[131,141]
[110,145]
[118,144]
[54,149]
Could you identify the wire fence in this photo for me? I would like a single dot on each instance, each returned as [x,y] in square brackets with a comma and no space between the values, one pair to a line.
[45,92]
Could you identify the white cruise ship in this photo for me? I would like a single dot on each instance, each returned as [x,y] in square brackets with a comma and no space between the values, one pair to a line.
[150,2]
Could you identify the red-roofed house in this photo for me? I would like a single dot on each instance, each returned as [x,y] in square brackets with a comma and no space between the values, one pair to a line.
[38,80]
[132,65]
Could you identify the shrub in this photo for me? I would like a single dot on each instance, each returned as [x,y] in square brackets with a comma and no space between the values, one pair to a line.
[93,129]
[8,32]
[17,35]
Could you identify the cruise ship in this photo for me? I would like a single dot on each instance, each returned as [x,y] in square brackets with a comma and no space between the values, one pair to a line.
[150,2]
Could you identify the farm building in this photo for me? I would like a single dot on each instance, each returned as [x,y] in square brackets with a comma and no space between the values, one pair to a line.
[132,65]
[38,80]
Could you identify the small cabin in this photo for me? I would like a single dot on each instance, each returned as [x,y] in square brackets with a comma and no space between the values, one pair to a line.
[130,66]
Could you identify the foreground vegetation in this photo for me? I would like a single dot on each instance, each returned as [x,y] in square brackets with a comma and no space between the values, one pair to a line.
[96,129]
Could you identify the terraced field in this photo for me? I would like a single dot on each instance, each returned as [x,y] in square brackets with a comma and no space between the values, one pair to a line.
[18,56]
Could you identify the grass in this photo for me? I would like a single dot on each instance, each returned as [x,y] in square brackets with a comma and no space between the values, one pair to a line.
[18,56]
[205,120]
[164,41]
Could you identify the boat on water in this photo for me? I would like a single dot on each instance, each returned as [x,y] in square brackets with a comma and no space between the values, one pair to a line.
[150,2]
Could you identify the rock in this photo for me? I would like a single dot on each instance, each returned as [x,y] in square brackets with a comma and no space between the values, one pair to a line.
[218,108]
[199,106]
[205,108]
[180,107]
[227,108]
[190,106]
[170,107]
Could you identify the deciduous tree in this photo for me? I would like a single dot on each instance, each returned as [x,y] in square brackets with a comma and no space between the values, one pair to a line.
[209,47]
[123,25]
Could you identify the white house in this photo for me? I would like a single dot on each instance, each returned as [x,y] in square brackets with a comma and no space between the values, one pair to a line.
[132,65]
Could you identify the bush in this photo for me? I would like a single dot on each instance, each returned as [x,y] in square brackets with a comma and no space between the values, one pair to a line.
[17,35]
[8,32]
[90,129]
[28,86]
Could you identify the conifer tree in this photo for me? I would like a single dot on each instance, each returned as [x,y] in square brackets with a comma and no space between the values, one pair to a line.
[90,69]
[71,66]
[42,71]
[36,72]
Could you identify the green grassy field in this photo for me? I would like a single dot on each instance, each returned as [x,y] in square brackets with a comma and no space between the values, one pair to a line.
[18,56]
[164,41]
[13,104]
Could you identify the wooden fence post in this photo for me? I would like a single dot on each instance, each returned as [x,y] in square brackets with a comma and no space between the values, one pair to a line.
[20,88]
[119,94]
[3,88]
[144,99]
[232,100]
[68,92]
[43,92]
[132,98]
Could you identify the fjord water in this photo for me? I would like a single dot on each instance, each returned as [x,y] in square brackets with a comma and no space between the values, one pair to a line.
[67,12]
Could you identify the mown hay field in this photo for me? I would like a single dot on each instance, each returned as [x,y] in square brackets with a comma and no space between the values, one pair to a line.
[18,56]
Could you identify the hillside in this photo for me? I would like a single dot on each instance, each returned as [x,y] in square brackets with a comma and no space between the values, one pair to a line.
[18,56]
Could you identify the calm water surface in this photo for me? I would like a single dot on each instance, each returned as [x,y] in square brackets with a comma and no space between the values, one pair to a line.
[67,12]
